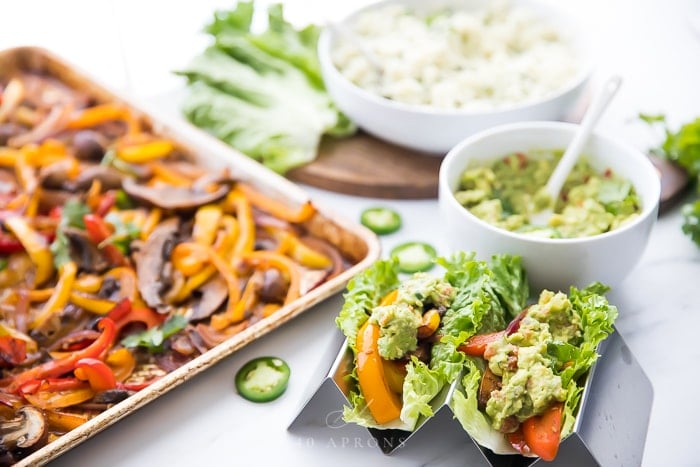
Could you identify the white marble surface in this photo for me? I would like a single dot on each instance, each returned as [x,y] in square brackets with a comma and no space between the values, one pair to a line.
[133,46]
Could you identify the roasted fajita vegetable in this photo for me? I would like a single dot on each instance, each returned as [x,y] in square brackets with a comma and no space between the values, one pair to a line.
[121,260]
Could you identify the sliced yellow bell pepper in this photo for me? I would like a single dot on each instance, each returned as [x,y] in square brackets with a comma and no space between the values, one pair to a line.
[37,247]
[88,283]
[60,296]
[8,156]
[95,305]
[170,176]
[145,152]
[246,225]
[292,246]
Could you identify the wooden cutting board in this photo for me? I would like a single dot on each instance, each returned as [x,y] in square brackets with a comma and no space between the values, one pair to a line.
[363,165]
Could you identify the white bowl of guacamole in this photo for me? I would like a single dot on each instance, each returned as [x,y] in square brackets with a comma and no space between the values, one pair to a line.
[601,227]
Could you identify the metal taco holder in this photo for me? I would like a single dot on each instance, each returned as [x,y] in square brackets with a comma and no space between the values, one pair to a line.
[610,429]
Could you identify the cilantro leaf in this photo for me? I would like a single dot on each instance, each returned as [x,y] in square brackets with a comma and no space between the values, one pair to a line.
[72,215]
[152,339]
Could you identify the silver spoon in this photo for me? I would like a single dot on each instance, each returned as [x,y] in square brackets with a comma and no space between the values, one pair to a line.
[573,151]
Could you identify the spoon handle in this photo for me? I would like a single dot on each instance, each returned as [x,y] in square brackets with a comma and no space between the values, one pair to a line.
[595,110]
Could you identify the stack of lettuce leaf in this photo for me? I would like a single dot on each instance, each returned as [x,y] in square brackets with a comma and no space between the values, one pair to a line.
[262,93]
[487,297]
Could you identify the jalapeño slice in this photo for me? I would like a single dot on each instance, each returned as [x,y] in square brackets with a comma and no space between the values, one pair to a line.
[262,379]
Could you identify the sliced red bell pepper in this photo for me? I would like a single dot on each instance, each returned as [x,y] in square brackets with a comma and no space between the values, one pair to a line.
[476,345]
[55,368]
[9,244]
[96,372]
[107,202]
[542,432]
[13,351]
[124,313]
[51,384]
[98,231]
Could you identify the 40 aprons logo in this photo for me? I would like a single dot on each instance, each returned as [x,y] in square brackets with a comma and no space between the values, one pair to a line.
[334,420]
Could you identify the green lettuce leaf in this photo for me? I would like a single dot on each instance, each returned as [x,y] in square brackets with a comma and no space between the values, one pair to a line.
[420,386]
[488,296]
[262,93]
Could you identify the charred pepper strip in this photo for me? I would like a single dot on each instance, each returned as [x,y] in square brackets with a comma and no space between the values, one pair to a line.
[55,368]
[276,208]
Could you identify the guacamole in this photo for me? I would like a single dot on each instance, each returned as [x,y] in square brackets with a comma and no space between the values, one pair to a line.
[529,384]
[511,189]
[399,321]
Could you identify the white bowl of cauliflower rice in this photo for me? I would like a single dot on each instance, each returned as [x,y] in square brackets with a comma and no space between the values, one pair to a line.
[450,68]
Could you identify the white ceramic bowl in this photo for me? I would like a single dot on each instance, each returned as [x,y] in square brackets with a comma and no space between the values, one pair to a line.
[434,130]
[551,263]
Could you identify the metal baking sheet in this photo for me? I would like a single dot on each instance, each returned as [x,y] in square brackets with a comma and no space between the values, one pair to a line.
[357,243]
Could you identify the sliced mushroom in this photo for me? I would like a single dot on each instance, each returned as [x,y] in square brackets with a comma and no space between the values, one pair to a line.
[109,177]
[26,432]
[55,176]
[170,197]
[85,254]
[489,383]
[10,130]
[274,286]
[151,260]
[213,294]
[89,145]
[49,199]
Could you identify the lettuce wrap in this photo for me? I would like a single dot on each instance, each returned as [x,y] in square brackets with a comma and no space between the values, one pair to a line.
[415,325]
[529,377]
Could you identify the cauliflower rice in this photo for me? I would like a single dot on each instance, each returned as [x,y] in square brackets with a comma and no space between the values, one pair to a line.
[477,60]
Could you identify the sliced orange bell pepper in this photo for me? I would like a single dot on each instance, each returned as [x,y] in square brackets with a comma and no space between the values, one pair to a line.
[122,363]
[93,116]
[384,404]
[188,258]
[96,372]
[36,246]
[237,314]
[47,400]
[277,208]
[170,176]
[63,421]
